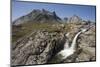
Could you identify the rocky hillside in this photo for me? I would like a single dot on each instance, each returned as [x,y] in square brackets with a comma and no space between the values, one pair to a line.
[38,16]
[40,46]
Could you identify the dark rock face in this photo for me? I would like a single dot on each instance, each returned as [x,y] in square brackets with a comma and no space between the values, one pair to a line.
[38,16]
[65,19]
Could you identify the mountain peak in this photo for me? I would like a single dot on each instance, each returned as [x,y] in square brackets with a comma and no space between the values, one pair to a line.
[39,16]
[75,19]
[35,11]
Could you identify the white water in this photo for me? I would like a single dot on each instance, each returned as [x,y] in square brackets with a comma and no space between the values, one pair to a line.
[67,52]
[70,50]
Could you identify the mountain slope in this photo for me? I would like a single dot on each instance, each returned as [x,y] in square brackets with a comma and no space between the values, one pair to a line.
[38,16]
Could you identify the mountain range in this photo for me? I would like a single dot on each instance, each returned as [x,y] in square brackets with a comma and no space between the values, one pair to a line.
[45,16]
[38,16]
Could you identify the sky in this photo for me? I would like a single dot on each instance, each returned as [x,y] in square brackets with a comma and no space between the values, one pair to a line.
[62,10]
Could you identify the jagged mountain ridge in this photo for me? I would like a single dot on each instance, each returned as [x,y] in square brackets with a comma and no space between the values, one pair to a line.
[45,16]
[38,16]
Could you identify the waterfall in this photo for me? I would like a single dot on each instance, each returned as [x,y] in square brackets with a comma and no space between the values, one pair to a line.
[70,50]
[67,51]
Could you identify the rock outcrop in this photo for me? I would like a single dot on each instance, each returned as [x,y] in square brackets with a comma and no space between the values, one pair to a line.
[36,49]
